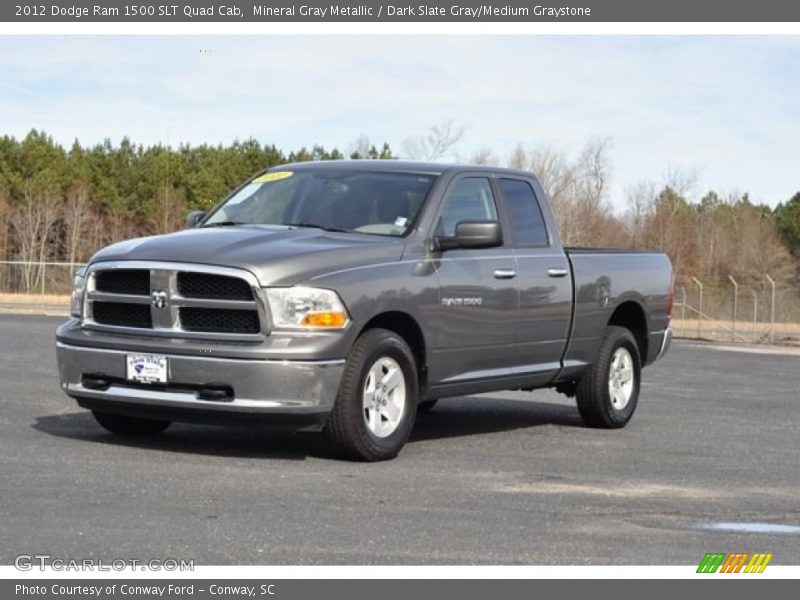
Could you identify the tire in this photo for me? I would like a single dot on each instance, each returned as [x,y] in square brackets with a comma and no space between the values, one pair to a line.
[426,405]
[375,425]
[125,425]
[598,406]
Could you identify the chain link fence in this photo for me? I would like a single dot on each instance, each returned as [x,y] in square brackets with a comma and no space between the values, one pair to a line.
[36,287]
[758,311]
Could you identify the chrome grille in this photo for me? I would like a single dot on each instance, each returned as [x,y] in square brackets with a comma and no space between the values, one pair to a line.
[174,299]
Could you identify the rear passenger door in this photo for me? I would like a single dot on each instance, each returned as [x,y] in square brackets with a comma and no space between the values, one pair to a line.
[545,285]
[473,335]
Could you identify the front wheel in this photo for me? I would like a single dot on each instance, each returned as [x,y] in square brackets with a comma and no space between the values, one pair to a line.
[608,391]
[375,408]
[125,425]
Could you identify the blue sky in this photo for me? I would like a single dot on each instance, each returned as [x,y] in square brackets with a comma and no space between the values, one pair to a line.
[725,108]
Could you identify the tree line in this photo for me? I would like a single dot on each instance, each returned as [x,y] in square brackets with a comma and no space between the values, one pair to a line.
[59,204]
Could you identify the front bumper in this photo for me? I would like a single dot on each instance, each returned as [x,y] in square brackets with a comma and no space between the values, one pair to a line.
[295,393]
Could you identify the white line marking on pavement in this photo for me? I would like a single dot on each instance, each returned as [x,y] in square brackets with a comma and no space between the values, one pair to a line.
[778,350]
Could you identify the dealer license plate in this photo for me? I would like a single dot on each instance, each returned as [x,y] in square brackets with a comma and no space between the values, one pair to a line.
[147,368]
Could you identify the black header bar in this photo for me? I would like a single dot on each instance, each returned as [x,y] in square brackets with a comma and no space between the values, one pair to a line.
[477,11]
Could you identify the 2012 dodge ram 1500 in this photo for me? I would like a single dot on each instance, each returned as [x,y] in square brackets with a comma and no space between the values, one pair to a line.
[345,296]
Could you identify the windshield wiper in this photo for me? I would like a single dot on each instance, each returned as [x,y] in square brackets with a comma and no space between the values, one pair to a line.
[224,224]
[318,226]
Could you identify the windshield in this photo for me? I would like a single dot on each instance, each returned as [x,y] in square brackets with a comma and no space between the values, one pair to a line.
[339,200]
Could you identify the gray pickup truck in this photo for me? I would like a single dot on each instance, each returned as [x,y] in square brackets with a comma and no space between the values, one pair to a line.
[346,296]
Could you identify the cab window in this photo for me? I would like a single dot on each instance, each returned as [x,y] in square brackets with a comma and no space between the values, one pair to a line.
[524,215]
[470,200]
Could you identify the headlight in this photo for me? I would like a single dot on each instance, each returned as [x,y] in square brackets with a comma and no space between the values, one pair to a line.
[78,289]
[306,308]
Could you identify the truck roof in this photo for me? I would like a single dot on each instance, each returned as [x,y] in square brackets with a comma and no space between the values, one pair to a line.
[394,166]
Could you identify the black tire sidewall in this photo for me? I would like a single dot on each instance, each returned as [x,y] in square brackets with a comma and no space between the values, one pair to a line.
[622,339]
[390,345]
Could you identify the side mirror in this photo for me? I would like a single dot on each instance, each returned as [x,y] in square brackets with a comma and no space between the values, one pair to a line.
[194,217]
[473,234]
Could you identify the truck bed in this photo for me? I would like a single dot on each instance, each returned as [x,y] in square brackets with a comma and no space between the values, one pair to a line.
[605,279]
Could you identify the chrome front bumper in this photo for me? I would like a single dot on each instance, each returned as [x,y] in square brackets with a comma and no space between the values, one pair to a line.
[261,388]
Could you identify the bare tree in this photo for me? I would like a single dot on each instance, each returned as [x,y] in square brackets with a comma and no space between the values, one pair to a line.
[683,181]
[120,224]
[34,231]
[589,214]
[5,219]
[174,208]
[640,199]
[554,172]
[360,147]
[97,231]
[593,170]
[484,156]
[5,228]
[436,144]
[518,159]
[172,201]
[76,216]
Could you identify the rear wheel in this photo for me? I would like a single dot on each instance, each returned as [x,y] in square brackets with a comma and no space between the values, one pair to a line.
[608,392]
[374,410]
[125,425]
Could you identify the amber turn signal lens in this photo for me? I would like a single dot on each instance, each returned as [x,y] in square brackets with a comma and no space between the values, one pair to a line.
[325,319]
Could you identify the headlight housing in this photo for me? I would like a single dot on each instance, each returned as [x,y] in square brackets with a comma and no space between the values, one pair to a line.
[306,308]
[78,290]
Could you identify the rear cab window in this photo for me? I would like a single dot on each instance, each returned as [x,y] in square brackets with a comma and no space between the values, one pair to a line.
[525,217]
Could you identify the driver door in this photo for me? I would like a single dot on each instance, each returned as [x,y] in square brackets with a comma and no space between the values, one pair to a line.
[474,332]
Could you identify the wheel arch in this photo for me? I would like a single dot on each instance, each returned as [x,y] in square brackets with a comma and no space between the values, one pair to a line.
[632,316]
[407,327]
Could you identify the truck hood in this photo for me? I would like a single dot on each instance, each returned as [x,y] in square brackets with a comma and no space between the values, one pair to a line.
[274,256]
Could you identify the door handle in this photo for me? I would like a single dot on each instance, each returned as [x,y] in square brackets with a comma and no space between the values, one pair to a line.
[504,273]
[556,272]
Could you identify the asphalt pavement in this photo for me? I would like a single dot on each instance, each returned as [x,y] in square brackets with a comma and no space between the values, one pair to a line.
[507,478]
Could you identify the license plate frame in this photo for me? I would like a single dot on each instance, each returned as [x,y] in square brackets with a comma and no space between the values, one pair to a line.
[147,368]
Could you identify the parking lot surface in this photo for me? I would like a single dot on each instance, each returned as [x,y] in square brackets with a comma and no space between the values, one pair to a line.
[507,478]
